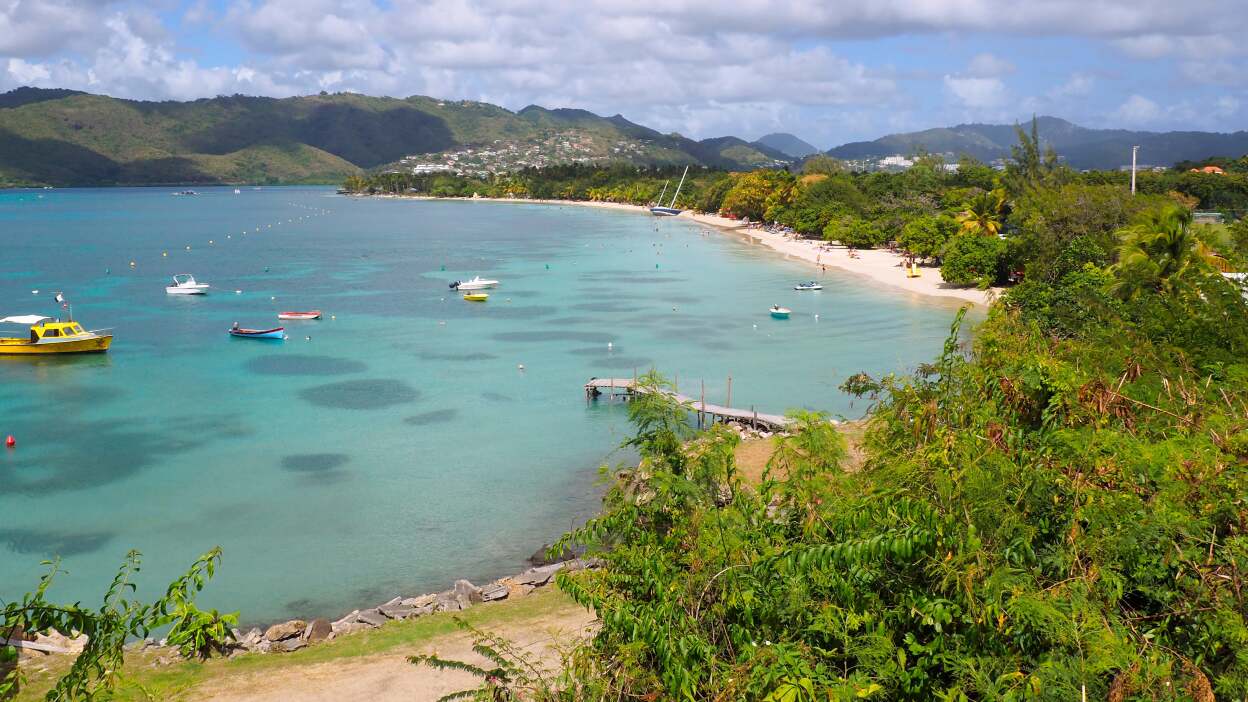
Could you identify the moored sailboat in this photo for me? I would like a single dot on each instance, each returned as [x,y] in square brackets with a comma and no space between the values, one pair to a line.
[670,210]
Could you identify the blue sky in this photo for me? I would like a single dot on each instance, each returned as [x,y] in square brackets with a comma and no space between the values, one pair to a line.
[829,72]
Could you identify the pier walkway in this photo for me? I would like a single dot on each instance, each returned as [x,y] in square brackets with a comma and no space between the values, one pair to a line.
[627,387]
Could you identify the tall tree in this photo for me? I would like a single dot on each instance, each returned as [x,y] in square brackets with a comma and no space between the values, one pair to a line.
[1030,165]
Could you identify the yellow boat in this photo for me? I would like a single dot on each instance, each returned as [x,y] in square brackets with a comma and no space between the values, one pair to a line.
[477,297]
[49,335]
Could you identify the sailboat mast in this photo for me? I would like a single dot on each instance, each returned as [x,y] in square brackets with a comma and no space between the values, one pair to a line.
[678,187]
[664,191]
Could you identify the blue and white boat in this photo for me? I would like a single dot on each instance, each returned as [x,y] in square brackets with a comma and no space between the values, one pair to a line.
[780,312]
[669,211]
[812,285]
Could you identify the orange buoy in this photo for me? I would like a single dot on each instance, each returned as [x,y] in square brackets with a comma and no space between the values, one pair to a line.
[10,441]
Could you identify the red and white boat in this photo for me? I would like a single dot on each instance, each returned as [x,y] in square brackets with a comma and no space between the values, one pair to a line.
[310,314]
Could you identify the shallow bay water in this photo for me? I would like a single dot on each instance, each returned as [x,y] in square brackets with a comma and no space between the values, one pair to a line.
[397,445]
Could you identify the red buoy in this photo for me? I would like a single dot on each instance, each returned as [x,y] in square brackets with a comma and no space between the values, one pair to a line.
[10,442]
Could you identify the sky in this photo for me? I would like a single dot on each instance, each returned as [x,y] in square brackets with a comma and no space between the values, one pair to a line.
[829,71]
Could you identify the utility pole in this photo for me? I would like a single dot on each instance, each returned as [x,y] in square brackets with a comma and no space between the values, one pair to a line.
[1134,151]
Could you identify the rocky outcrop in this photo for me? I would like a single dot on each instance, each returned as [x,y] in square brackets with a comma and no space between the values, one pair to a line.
[494,591]
[285,630]
[467,593]
[318,630]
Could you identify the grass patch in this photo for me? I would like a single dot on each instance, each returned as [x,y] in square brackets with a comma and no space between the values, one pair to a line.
[144,679]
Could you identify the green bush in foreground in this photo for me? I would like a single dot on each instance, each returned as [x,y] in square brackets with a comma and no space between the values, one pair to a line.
[1038,519]
[119,618]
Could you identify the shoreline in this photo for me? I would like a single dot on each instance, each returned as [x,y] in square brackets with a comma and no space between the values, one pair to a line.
[879,266]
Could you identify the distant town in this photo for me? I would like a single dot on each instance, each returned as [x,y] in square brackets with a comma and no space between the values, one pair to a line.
[505,156]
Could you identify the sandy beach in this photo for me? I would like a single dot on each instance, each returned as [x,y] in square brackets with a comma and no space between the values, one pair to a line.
[878,265]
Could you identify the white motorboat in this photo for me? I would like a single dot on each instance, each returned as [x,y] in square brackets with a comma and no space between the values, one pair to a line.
[477,283]
[812,285]
[780,312]
[185,284]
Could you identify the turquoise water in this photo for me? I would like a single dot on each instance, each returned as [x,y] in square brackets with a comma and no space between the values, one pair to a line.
[397,446]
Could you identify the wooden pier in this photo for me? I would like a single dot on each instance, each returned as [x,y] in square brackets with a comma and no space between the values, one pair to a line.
[628,387]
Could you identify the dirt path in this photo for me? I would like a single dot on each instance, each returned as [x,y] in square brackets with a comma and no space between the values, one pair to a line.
[389,676]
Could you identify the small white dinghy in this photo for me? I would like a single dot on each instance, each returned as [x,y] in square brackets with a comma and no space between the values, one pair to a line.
[185,284]
[812,285]
[780,312]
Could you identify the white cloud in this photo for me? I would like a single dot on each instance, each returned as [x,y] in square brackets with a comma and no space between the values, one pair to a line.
[697,66]
[989,66]
[23,72]
[1138,111]
[977,93]
[1226,106]
[1079,85]
[1224,73]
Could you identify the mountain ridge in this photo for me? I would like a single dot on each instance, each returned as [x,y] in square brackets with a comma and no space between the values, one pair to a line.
[66,137]
[1081,147]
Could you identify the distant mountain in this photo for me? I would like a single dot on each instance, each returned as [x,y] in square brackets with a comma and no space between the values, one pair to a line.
[1080,146]
[65,137]
[787,144]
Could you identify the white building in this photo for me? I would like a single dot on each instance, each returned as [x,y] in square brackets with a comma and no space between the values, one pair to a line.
[895,161]
[429,168]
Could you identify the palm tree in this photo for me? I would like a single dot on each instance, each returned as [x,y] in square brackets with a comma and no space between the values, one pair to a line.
[982,213]
[1160,252]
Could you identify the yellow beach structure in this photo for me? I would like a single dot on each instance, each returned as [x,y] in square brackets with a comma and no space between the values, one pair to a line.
[49,336]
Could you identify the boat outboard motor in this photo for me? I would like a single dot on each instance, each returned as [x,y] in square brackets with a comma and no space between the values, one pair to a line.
[455,285]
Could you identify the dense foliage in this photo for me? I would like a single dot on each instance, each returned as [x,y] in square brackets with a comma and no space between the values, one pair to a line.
[1039,518]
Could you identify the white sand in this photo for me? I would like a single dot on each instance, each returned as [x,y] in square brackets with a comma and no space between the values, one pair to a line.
[878,265]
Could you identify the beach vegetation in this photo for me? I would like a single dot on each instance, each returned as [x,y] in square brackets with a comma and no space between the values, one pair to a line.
[756,194]
[925,237]
[983,213]
[855,232]
[973,259]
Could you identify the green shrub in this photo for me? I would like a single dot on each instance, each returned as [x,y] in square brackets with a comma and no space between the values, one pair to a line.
[926,237]
[855,232]
[973,259]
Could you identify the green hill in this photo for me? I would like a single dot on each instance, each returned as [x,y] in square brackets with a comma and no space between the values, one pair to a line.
[787,144]
[1102,149]
[64,137]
